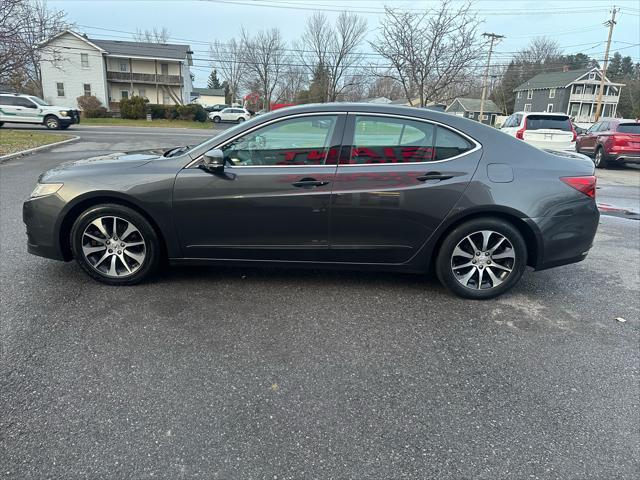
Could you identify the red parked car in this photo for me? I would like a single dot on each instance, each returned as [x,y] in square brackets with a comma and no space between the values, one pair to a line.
[611,141]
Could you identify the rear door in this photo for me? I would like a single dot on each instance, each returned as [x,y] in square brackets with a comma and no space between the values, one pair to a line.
[549,131]
[397,179]
[588,140]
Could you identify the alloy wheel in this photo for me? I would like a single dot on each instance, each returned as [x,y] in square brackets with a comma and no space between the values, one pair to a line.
[52,123]
[483,260]
[598,158]
[113,246]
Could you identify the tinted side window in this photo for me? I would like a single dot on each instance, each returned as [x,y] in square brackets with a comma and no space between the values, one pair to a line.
[23,102]
[7,100]
[391,140]
[449,144]
[297,141]
[629,128]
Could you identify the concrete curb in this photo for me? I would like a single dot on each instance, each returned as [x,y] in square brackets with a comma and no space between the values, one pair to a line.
[11,156]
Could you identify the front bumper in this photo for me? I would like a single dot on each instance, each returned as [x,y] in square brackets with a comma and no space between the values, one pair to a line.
[73,117]
[40,216]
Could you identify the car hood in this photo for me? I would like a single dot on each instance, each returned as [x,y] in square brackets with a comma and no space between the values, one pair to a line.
[101,163]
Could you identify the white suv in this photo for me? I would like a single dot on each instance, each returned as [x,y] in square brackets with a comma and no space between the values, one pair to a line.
[17,108]
[231,114]
[553,131]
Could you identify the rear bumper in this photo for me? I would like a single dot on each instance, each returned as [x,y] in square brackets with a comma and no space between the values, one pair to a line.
[565,239]
[625,158]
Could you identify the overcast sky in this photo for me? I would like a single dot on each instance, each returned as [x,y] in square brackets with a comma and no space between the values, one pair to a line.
[575,24]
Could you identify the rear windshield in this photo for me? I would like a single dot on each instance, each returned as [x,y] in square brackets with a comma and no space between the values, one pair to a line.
[554,122]
[629,128]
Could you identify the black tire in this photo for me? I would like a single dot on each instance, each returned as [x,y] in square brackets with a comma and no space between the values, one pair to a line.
[445,270]
[152,250]
[52,122]
[600,159]
[240,119]
[216,119]
[1,124]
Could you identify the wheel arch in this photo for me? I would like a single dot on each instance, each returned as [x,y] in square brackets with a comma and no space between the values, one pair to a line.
[527,229]
[82,204]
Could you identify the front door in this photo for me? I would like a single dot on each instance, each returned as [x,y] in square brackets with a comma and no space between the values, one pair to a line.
[395,183]
[272,200]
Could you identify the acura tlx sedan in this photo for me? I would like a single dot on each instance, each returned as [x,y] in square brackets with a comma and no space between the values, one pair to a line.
[340,185]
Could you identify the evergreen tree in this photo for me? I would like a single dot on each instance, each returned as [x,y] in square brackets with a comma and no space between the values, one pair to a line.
[213,81]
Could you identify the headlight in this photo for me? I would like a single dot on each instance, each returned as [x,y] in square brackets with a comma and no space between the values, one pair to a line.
[43,189]
[63,113]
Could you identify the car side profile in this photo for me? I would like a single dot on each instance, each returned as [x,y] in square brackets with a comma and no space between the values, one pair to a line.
[611,141]
[17,108]
[542,129]
[342,185]
[231,114]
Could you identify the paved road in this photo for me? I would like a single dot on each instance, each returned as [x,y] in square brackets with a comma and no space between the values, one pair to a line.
[257,373]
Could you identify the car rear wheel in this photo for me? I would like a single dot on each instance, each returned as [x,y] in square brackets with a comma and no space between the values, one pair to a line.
[52,123]
[115,244]
[482,258]
[599,159]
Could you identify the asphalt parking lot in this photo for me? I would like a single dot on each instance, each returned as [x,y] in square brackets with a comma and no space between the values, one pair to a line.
[248,373]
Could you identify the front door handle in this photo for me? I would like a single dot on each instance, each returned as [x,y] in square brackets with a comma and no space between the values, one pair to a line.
[309,183]
[435,176]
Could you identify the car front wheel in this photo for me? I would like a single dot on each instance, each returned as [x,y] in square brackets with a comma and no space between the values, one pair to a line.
[115,244]
[52,123]
[240,119]
[482,258]
[216,119]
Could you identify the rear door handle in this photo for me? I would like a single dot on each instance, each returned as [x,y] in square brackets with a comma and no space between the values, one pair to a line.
[309,183]
[435,176]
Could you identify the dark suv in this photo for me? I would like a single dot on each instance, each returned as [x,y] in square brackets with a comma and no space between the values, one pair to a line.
[611,141]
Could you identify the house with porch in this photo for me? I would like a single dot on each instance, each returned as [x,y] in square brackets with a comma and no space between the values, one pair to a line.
[74,65]
[574,92]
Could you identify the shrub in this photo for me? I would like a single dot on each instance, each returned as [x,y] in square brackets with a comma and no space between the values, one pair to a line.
[191,112]
[133,108]
[91,107]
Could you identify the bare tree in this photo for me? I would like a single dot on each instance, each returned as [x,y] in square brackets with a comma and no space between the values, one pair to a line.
[334,48]
[293,80]
[385,87]
[540,50]
[157,35]
[265,57]
[430,52]
[229,60]
[24,25]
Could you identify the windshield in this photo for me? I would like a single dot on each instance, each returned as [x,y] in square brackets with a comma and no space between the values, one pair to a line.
[39,101]
[629,128]
[239,126]
[552,122]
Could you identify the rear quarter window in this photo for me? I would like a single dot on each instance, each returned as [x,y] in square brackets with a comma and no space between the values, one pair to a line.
[450,144]
[552,122]
[633,128]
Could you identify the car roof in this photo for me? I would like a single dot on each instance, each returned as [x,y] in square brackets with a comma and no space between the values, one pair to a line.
[551,114]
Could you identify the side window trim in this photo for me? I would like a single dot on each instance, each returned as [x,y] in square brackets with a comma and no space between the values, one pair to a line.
[336,140]
[350,130]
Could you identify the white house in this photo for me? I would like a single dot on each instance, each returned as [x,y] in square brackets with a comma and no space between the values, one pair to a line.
[208,97]
[74,65]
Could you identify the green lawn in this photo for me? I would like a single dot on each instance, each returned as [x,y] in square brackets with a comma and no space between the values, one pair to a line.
[12,141]
[121,122]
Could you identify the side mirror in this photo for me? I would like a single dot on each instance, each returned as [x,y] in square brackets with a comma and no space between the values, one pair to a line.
[213,161]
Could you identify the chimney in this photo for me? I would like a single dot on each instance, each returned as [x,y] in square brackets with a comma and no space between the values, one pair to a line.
[565,68]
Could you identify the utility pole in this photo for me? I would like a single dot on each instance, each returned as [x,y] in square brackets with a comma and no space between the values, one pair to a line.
[610,24]
[493,37]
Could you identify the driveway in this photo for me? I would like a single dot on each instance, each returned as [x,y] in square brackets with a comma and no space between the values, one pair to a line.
[248,373]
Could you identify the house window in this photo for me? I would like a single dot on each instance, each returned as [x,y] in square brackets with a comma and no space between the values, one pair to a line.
[142,92]
[84,60]
[529,94]
[472,115]
[60,88]
[527,107]
[124,66]
[550,108]
[124,93]
[484,117]
[592,76]
[164,68]
[519,94]
[577,89]
[87,89]
[552,93]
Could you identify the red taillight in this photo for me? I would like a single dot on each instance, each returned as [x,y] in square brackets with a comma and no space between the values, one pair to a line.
[586,185]
[520,133]
[575,134]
